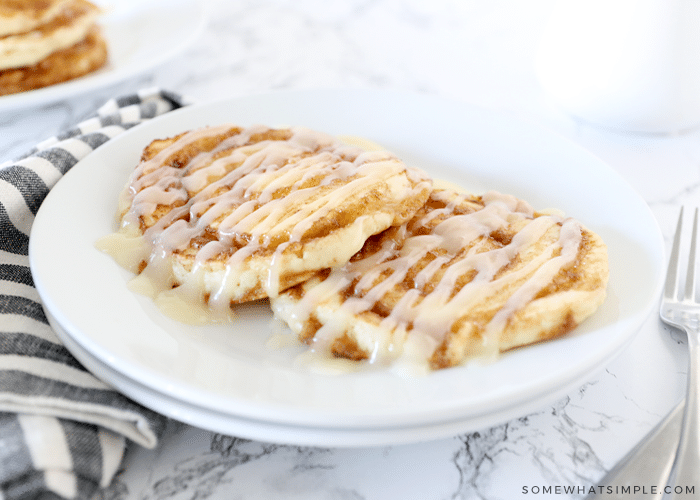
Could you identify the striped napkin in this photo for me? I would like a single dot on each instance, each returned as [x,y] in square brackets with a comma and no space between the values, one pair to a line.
[63,432]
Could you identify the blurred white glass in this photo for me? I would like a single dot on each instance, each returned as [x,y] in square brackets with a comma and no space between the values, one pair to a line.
[631,65]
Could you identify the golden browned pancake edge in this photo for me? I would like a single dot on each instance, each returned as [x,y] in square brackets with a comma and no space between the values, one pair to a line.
[83,58]
[467,278]
[20,16]
[70,26]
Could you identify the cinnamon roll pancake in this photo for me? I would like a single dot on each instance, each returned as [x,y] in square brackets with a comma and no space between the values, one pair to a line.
[83,58]
[467,277]
[45,42]
[225,214]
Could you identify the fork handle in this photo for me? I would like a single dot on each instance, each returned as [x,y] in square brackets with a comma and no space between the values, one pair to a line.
[687,464]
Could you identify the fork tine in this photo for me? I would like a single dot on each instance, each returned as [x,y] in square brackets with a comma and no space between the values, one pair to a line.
[690,278]
[670,291]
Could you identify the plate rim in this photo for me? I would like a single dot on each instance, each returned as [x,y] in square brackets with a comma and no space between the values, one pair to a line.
[302,435]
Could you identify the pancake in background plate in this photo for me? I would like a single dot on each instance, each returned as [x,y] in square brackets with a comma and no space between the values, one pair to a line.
[64,43]
[86,56]
[226,215]
[468,277]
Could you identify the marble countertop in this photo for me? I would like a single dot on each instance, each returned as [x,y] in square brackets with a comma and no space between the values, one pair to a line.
[466,50]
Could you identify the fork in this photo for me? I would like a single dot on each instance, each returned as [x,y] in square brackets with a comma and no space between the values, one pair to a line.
[647,464]
[652,460]
[680,308]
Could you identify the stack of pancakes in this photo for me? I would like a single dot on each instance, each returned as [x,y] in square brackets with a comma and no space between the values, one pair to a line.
[361,255]
[44,42]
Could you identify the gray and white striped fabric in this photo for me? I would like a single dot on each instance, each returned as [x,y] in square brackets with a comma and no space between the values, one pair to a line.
[63,432]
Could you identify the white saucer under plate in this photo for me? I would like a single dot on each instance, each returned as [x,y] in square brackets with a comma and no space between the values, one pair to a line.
[225,378]
[140,36]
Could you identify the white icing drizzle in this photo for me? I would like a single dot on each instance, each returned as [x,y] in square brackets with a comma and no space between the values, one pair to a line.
[424,318]
[257,196]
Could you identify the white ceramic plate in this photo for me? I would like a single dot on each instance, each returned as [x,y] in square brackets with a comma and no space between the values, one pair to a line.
[140,35]
[225,378]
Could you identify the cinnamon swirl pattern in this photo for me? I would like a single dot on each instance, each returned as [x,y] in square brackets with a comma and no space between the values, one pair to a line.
[467,277]
[224,215]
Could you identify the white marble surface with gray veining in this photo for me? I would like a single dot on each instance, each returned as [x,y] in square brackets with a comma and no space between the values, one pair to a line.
[467,50]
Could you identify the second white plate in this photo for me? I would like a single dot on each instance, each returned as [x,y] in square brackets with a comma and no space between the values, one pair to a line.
[225,377]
